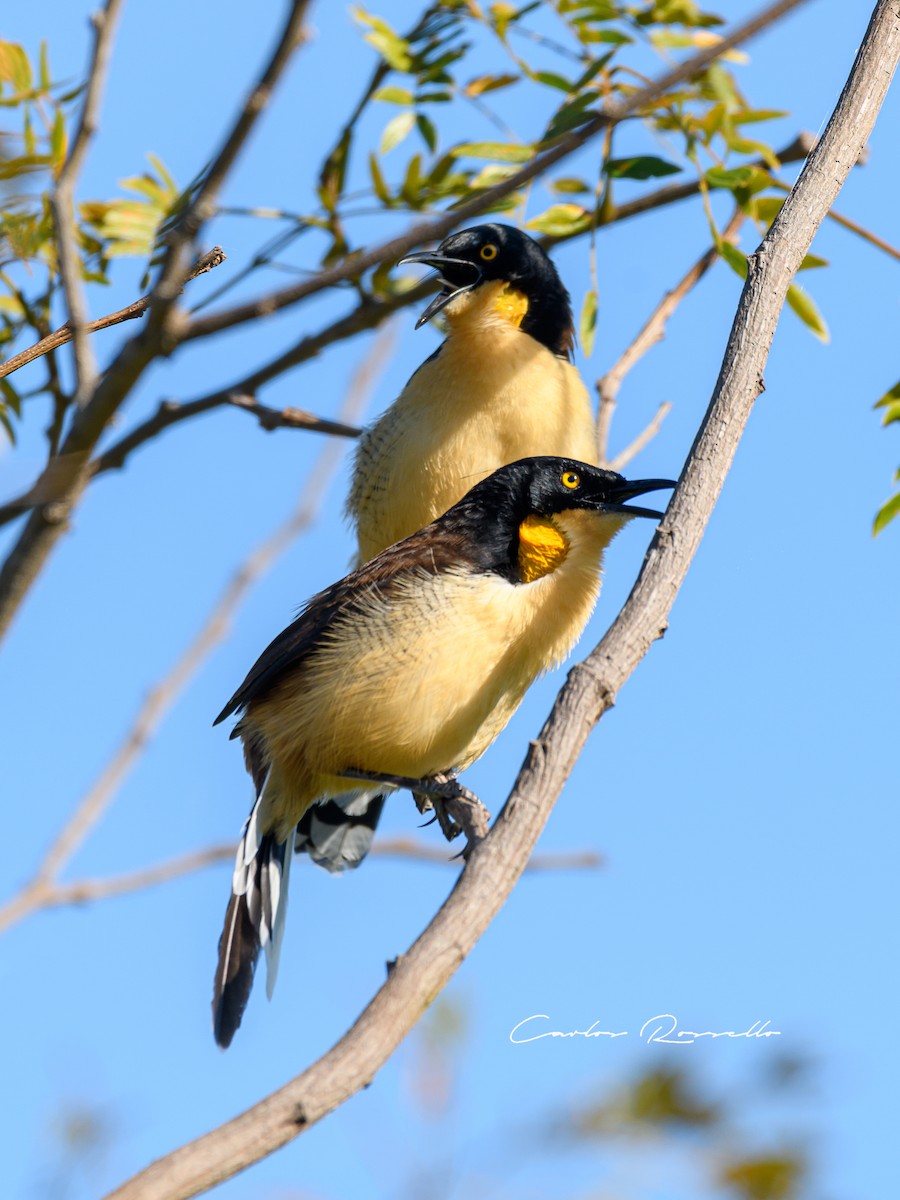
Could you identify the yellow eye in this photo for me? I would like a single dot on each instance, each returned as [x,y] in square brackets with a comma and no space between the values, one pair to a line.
[570,479]
[488,252]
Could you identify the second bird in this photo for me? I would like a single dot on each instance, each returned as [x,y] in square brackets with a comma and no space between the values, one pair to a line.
[500,387]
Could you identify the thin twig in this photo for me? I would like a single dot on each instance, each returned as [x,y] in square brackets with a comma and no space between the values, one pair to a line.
[84,891]
[52,341]
[355,264]
[643,439]
[496,863]
[63,205]
[652,332]
[214,629]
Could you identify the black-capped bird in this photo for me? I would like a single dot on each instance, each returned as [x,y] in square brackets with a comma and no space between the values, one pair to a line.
[404,672]
[501,387]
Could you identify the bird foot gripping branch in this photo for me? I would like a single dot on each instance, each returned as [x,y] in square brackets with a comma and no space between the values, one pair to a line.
[456,808]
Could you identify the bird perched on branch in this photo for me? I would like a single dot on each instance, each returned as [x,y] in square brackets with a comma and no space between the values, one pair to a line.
[404,672]
[499,388]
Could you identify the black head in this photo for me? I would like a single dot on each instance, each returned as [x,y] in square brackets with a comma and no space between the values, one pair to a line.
[487,253]
[493,511]
[546,485]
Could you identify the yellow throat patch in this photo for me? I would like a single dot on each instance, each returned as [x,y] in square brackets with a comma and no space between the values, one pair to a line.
[542,547]
[511,304]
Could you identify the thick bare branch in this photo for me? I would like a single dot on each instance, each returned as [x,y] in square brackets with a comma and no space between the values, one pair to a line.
[652,331]
[45,883]
[62,200]
[46,524]
[591,688]
[433,230]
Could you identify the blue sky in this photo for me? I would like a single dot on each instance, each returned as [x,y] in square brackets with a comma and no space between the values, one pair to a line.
[742,792]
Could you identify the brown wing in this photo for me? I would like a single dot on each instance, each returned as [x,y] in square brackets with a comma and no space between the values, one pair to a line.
[431,550]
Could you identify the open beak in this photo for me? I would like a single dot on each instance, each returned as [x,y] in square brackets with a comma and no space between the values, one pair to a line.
[628,489]
[455,274]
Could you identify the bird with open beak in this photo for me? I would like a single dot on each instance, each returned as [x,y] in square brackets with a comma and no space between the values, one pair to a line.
[404,672]
[500,387]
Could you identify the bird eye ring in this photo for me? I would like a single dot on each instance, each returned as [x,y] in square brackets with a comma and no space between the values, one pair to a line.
[488,252]
[570,479]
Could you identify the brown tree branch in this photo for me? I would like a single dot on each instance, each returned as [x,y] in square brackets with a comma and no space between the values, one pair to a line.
[496,863]
[46,524]
[64,334]
[62,200]
[44,885]
[611,113]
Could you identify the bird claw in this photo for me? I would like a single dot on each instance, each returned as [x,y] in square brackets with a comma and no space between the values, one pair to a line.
[456,808]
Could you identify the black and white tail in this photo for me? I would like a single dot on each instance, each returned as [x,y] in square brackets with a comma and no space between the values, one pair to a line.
[254,920]
[337,833]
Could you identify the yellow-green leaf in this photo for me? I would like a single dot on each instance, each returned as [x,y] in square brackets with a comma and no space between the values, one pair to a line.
[807,310]
[561,220]
[58,141]
[396,130]
[886,514]
[735,258]
[889,398]
[587,325]
[14,66]
[394,95]
[499,151]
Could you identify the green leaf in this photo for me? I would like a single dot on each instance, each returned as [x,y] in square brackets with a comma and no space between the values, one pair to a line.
[725,177]
[58,141]
[886,514]
[396,130]
[551,79]
[749,116]
[645,166]
[735,258]
[767,208]
[7,425]
[378,183]
[807,310]
[428,131]
[889,397]
[491,174]
[11,396]
[587,325]
[891,413]
[561,220]
[569,186]
[608,36]
[392,48]
[811,262]
[498,151]
[569,116]
[44,69]
[29,141]
[394,95]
